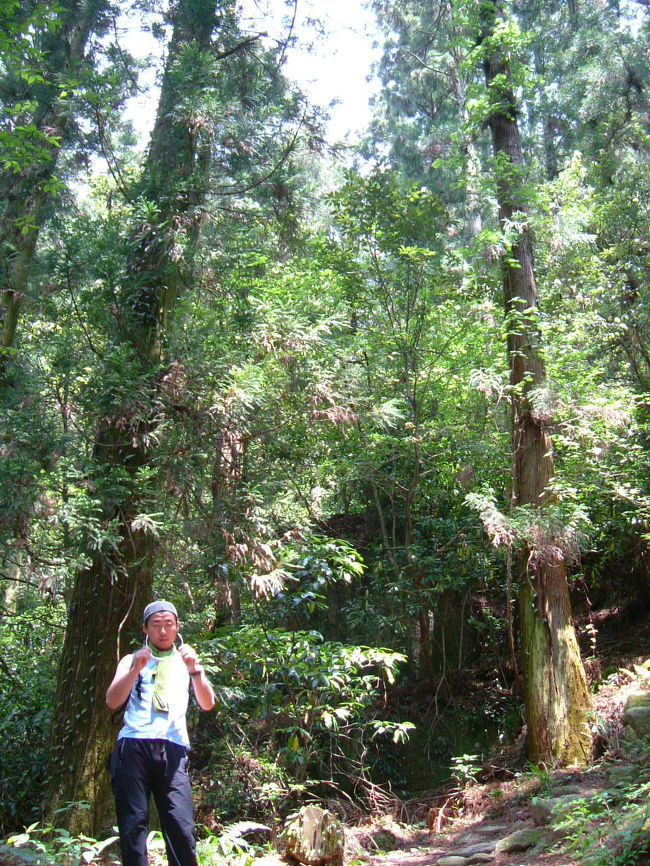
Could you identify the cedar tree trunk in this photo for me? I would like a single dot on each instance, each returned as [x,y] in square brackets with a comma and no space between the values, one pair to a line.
[109,594]
[556,694]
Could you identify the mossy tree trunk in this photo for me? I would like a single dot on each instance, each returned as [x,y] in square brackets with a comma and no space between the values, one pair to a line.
[556,695]
[108,595]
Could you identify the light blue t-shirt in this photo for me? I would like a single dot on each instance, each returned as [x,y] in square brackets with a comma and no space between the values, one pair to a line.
[142,722]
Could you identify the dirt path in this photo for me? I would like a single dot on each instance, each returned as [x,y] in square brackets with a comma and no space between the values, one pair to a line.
[501,823]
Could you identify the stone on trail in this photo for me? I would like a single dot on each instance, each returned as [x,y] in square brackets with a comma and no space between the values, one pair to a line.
[544,809]
[637,713]
[459,859]
[637,699]
[637,718]
[481,832]
[315,837]
[520,840]
[487,846]
[618,773]
[452,861]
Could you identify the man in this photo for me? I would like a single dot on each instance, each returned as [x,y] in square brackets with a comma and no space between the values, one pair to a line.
[151,751]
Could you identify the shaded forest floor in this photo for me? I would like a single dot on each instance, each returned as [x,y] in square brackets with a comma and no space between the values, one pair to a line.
[512,813]
[480,827]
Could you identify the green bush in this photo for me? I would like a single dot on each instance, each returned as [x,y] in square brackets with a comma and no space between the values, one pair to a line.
[294,710]
[51,845]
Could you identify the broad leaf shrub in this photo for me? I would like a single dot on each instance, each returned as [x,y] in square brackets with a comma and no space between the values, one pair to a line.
[311,568]
[56,845]
[295,713]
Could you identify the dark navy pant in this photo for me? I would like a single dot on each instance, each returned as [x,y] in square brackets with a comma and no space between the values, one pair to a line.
[139,768]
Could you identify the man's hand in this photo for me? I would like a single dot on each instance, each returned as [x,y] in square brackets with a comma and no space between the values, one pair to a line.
[140,658]
[126,674]
[189,656]
[202,688]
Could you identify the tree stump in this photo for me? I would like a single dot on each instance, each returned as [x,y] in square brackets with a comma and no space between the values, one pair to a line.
[315,838]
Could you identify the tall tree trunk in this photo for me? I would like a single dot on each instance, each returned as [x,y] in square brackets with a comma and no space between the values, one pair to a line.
[26,193]
[546,117]
[109,593]
[227,474]
[556,694]
[468,148]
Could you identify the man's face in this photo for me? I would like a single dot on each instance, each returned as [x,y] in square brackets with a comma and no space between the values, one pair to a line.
[161,629]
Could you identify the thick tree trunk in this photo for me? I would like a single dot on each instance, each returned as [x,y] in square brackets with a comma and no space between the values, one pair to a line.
[25,194]
[557,697]
[109,594]
[108,597]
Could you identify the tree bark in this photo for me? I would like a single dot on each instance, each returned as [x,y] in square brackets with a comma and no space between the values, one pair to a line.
[472,158]
[227,474]
[109,594]
[556,695]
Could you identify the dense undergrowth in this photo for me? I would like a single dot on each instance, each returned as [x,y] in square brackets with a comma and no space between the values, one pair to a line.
[296,736]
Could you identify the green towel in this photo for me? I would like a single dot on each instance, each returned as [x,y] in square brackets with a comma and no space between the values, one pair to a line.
[163,690]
